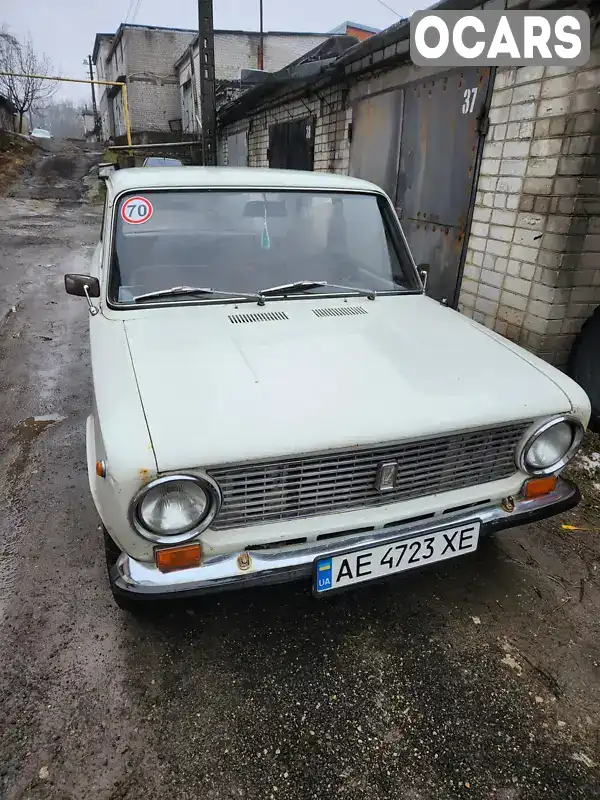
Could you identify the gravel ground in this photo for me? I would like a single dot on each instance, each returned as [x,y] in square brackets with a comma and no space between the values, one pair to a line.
[478,679]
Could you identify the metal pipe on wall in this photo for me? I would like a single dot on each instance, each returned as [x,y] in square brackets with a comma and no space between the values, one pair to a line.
[80,80]
[261,44]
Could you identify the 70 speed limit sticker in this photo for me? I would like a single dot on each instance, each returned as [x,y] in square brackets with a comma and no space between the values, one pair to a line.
[136,210]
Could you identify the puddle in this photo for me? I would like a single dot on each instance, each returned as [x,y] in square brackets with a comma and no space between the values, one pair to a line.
[25,433]
[43,419]
[33,426]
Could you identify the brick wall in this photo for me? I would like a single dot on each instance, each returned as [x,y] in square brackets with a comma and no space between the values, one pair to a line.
[282,50]
[147,58]
[532,270]
[104,74]
[154,52]
[237,51]
[102,68]
[332,114]
[153,86]
[152,105]
[222,159]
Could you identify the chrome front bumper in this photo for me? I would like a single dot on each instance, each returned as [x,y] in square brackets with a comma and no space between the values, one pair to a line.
[130,577]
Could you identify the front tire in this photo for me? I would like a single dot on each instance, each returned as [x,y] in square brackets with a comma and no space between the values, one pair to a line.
[130,604]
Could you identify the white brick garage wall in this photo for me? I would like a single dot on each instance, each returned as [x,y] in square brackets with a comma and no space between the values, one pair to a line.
[532,270]
[332,148]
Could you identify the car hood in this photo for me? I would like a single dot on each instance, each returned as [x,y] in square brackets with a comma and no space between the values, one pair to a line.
[217,390]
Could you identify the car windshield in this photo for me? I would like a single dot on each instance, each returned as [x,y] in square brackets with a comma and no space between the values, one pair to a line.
[247,241]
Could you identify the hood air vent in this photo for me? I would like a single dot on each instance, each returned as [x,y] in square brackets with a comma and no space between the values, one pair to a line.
[343,311]
[260,316]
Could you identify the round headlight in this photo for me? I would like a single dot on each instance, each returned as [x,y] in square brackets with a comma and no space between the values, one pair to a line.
[175,508]
[550,446]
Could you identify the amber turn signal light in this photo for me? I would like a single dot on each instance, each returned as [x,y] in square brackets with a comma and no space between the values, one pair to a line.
[101,469]
[538,487]
[170,559]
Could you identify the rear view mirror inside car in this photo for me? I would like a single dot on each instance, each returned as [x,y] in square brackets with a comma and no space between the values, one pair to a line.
[258,209]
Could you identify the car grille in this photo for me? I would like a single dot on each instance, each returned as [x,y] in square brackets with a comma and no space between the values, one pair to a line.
[340,481]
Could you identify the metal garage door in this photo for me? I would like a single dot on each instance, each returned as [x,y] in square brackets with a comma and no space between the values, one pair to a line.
[420,144]
[438,159]
[291,144]
[237,149]
[375,145]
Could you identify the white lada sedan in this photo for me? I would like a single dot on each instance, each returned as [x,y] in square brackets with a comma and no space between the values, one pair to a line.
[275,397]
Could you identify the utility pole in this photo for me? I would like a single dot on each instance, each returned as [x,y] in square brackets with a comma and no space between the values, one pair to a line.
[206,51]
[88,62]
[261,45]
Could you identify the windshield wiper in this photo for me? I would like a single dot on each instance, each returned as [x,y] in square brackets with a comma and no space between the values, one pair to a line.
[305,286]
[180,291]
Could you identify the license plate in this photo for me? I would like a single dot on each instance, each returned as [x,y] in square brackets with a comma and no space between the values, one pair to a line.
[371,563]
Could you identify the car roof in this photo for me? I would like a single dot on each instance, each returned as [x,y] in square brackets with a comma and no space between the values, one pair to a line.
[135,179]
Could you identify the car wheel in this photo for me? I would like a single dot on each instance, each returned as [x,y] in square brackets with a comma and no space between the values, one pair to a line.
[111,551]
[138,608]
[125,603]
[584,365]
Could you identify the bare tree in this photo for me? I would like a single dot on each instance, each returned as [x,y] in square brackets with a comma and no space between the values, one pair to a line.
[18,59]
[6,40]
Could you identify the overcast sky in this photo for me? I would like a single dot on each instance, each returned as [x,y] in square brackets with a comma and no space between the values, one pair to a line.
[65,29]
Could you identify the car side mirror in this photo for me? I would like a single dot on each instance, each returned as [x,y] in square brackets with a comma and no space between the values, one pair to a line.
[423,273]
[77,285]
[84,286]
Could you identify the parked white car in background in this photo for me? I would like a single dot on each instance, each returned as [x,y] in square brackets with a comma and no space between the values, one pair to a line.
[40,133]
[161,161]
[275,397]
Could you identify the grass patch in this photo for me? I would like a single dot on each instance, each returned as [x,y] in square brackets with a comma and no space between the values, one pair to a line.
[110,157]
[16,152]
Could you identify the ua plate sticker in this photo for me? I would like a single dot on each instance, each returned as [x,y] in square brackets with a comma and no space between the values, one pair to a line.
[324,575]
[136,210]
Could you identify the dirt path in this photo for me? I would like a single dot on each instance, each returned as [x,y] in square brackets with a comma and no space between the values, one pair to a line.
[57,171]
[478,679]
